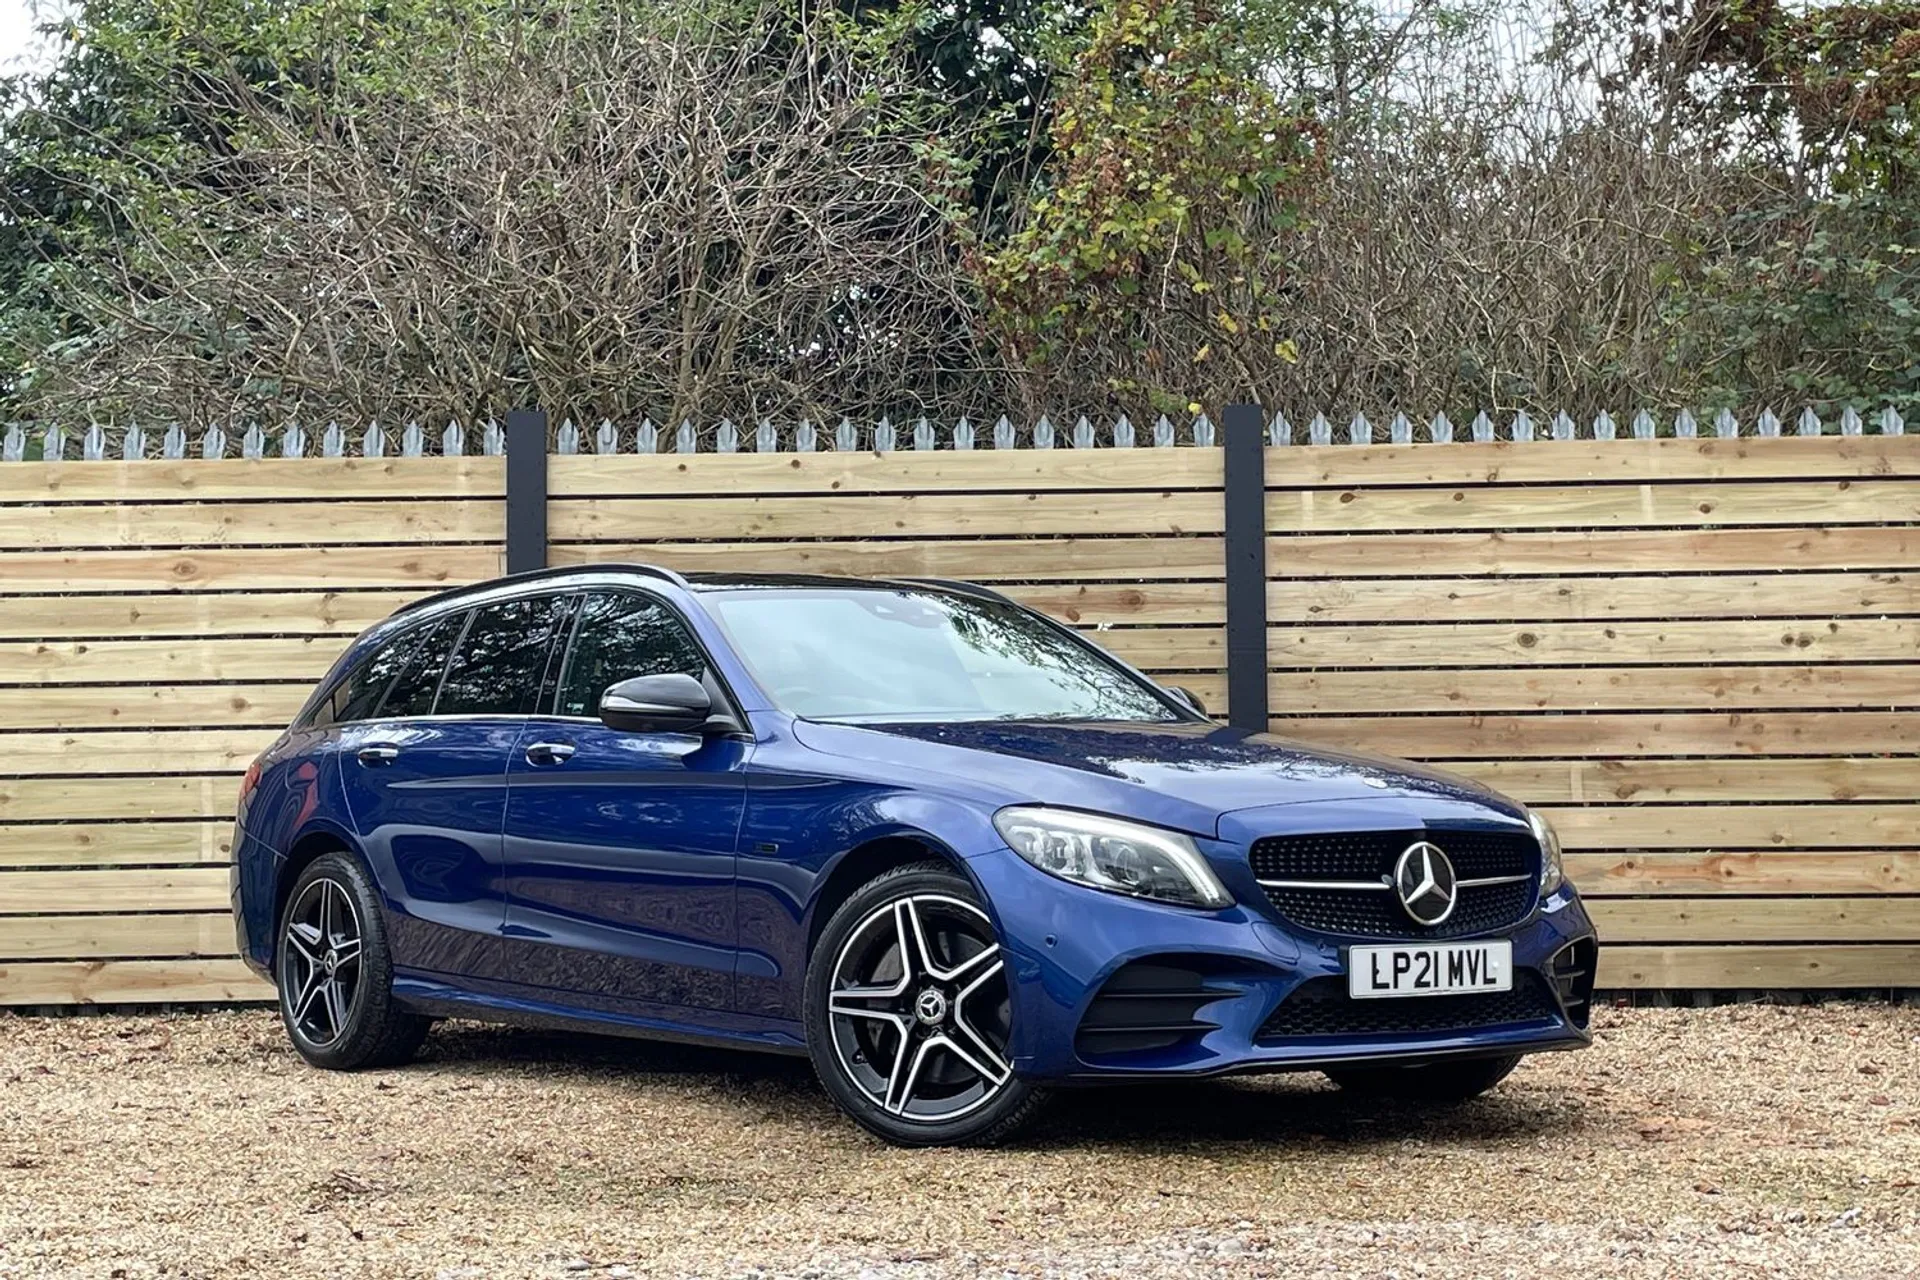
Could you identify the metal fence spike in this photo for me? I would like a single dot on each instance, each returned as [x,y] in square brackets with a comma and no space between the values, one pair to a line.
[567,439]
[1563,428]
[1725,425]
[1850,424]
[687,438]
[884,439]
[606,437]
[924,440]
[1279,431]
[93,445]
[333,441]
[1400,431]
[647,438]
[1522,427]
[845,438]
[1003,436]
[493,439]
[766,437]
[1684,427]
[373,444]
[1359,431]
[806,438]
[133,445]
[1203,432]
[1481,428]
[1162,433]
[13,446]
[1766,424]
[963,434]
[1809,424]
[413,441]
[726,437]
[453,440]
[1603,426]
[213,443]
[1043,433]
[1891,423]
[1082,433]
[53,444]
[1643,426]
[1440,430]
[1319,431]
[293,441]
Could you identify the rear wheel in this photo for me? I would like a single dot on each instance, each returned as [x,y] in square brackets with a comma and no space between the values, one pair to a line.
[909,1014]
[1435,1083]
[336,973]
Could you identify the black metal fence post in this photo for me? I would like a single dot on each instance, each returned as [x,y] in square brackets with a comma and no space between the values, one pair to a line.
[526,490]
[1244,428]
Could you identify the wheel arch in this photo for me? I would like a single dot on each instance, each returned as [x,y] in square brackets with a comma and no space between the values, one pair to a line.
[309,847]
[873,857]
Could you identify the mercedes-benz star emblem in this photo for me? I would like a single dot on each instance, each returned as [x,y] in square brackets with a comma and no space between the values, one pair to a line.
[931,1007]
[1423,878]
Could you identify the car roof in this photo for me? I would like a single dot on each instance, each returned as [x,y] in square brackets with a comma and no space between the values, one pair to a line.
[700,581]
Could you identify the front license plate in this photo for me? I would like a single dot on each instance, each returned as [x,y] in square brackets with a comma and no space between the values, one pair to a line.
[1430,969]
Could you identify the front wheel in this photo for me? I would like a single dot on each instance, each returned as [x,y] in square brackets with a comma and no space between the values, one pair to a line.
[335,972]
[1434,1083]
[909,1013]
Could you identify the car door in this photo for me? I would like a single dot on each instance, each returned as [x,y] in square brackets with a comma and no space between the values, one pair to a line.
[620,845]
[425,780]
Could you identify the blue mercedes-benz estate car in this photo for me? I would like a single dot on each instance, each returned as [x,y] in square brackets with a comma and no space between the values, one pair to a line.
[945,846]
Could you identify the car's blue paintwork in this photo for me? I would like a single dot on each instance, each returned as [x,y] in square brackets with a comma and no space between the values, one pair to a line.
[669,884]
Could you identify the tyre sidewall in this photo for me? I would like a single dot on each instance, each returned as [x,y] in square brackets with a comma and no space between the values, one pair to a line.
[989,1123]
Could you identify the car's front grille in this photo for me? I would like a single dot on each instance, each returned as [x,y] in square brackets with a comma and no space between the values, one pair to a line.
[1322,1007]
[1368,857]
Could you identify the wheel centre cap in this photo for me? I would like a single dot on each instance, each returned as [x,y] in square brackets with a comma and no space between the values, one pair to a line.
[331,962]
[931,1007]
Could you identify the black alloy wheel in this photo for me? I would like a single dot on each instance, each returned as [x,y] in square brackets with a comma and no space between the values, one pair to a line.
[335,972]
[909,1014]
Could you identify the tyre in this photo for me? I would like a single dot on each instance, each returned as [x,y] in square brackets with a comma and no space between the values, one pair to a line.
[1433,1083]
[908,1013]
[335,972]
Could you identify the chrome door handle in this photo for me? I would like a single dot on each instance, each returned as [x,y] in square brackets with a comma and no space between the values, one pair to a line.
[550,752]
[381,753]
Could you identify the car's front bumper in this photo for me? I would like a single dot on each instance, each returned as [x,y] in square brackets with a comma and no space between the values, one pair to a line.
[1064,944]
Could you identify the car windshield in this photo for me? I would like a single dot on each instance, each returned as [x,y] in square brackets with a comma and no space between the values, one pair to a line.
[895,653]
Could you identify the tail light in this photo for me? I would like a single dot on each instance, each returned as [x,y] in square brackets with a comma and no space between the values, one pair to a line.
[250,781]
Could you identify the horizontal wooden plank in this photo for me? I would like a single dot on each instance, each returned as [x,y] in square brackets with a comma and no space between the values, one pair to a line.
[164,661]
[197,479]
[1591,551]
[1748,967]
[326,521]
[132,751]
[142,889]
[1758,733]
[1598,689]
[185,613]
[100,799]
[1533,462]
[100,937]
[256,569]
[101,844]
[1610,781]
[130,982]
[1735,826]
[1628,920]
[885,516]
[1538,600]
[1648,506]
[1745,872]
[1507,644]
[1128,604]
[151,706]
[631,475]
[1127,559]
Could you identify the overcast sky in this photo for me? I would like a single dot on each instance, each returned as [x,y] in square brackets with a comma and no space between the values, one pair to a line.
[20,46]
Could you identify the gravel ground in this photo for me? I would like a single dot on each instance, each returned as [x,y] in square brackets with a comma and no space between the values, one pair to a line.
[1746,1140]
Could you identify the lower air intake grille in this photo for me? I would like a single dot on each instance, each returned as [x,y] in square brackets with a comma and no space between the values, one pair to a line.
[1147,1005]
[1322,1007]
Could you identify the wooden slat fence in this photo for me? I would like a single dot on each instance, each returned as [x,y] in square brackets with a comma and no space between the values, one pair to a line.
[1698,654]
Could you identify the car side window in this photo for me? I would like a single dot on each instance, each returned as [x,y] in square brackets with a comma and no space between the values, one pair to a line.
[621,635]
[501,659]
[356,697]
[412,692]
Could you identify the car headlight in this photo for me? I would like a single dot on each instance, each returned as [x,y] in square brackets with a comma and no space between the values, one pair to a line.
[1106,853]
[1552,872]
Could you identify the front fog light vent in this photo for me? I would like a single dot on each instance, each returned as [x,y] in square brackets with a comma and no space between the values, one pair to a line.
[1146,1006]
[1573,979]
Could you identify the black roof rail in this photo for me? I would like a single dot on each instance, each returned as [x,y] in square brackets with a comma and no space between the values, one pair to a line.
[537,575]
[965,588]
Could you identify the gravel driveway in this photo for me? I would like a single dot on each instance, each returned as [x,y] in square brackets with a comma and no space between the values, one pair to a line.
[1744,1140]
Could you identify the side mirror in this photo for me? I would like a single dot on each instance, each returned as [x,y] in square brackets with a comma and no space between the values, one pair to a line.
[1189,697]
[673,703]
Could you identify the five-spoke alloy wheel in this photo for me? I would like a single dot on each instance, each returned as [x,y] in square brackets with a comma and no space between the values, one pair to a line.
[909,1015]
[336,974]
